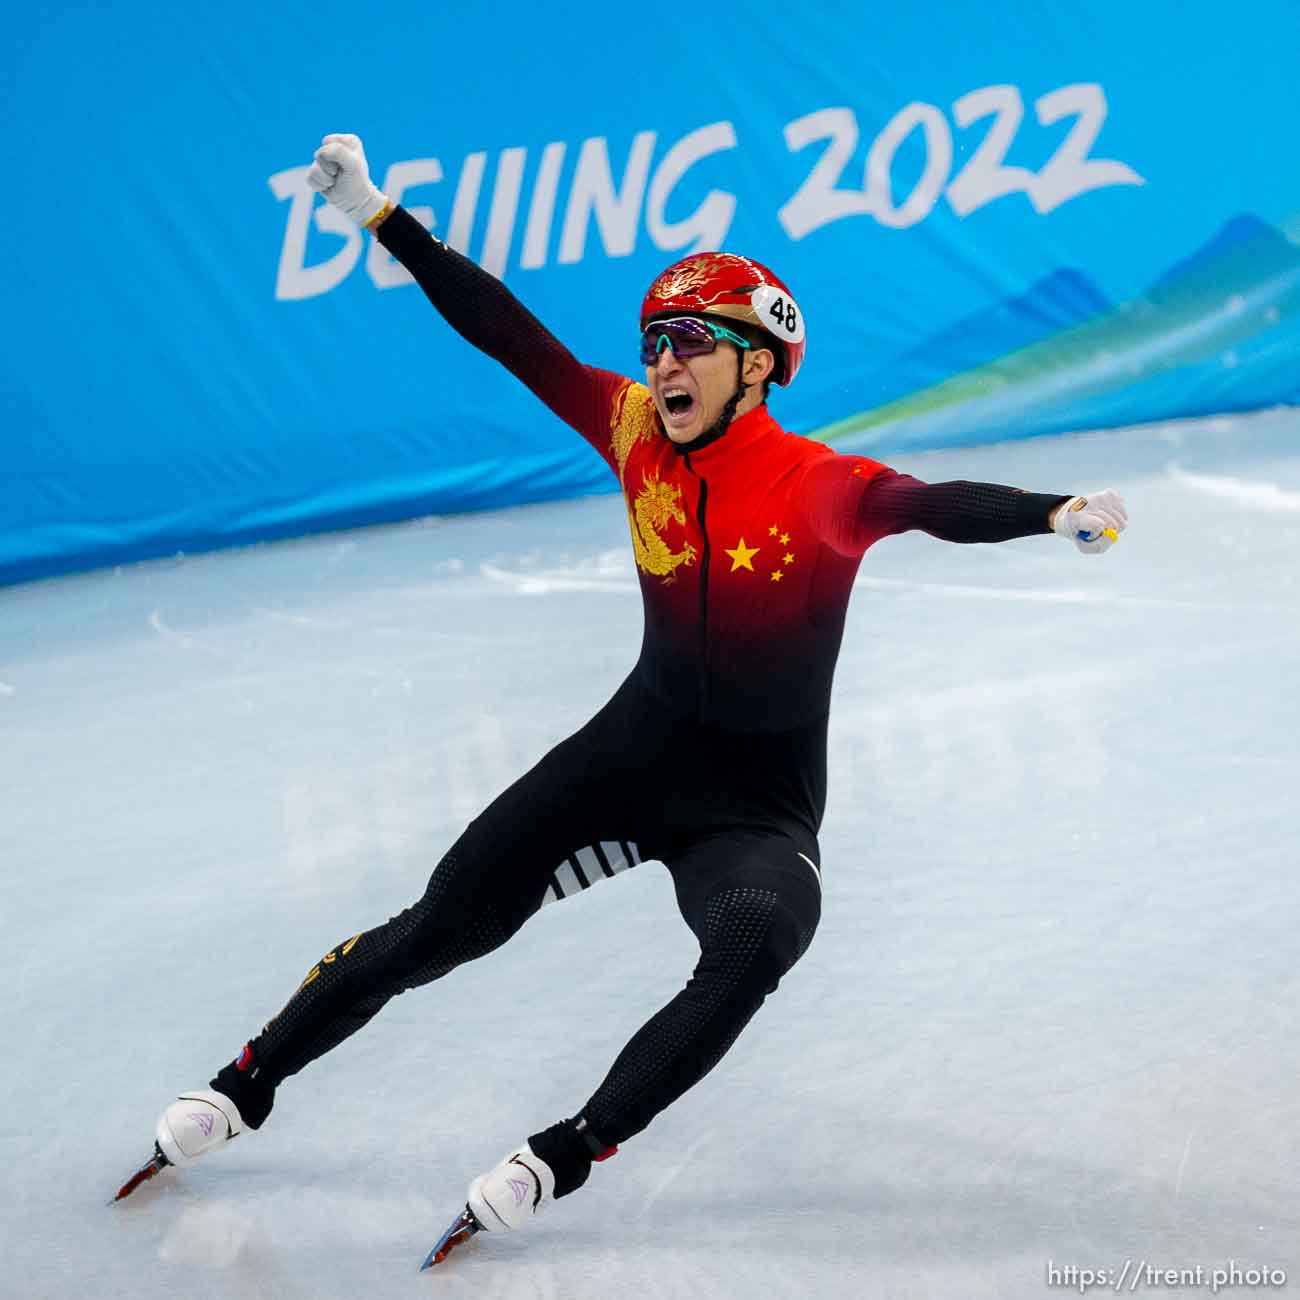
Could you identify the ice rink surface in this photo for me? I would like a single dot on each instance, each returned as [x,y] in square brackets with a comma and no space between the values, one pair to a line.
[1049,1020]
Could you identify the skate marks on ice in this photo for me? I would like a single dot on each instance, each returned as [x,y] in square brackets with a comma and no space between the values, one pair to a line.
[291,1243]
[1045,596]
[228,1247]
[678,1167]
[531,575]
[911,1210]
[1248,494]
[1049,1012]
[198,1243]
[969,1218]
[184,641]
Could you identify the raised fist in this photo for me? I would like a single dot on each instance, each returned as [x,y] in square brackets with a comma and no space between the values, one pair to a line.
[340,173]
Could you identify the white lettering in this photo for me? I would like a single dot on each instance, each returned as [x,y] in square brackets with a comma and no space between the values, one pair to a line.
[707,226]
[501,218]
[817,202]
[541,211]
[618,213]
[938,162]
[295,280]
[465,204]
[617,208]
[1070,172]
[985,177]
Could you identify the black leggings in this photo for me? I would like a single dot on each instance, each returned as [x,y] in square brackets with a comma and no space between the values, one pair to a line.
[748,887]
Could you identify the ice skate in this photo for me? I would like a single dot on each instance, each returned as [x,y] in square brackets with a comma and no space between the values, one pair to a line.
[506,1198]
[194,1124]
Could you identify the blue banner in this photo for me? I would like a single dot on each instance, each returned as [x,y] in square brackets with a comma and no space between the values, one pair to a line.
[996,228]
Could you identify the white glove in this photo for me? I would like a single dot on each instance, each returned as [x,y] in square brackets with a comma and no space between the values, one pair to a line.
[1092,523]
[339,172]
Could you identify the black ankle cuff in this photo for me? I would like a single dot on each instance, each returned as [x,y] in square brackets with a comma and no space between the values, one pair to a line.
[253,1097]
[568,1148]
[566,1153]
[596,1145]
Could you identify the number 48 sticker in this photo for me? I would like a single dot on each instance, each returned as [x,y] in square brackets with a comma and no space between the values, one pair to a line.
[778,311]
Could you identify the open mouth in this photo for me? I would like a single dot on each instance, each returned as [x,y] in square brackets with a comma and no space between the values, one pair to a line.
[678,401]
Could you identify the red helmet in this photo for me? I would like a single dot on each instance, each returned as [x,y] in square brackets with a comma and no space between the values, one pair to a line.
[724,284]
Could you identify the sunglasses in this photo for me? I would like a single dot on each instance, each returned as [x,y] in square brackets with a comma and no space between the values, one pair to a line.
[687,336]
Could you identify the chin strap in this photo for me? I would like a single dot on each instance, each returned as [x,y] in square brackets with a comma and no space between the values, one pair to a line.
[723,422]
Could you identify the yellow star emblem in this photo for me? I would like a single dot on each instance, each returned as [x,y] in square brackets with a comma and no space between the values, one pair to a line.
[772,532]
[789,559]
[777,575]
[785,539]
[742,556]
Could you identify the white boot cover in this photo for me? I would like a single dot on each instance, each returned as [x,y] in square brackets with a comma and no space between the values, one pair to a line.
[196,1123]
[518,1188]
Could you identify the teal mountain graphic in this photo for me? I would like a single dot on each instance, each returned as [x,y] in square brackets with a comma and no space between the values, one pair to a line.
[1243,235]
[1218,330]
[1064,298]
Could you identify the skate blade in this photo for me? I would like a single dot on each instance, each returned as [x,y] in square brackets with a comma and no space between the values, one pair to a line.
[462,1229]
[156,1165]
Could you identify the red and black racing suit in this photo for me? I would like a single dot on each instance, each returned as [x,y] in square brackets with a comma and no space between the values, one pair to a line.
[711,756]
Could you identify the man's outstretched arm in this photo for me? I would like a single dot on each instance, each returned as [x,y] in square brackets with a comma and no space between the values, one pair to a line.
[854,502]
[474,303]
